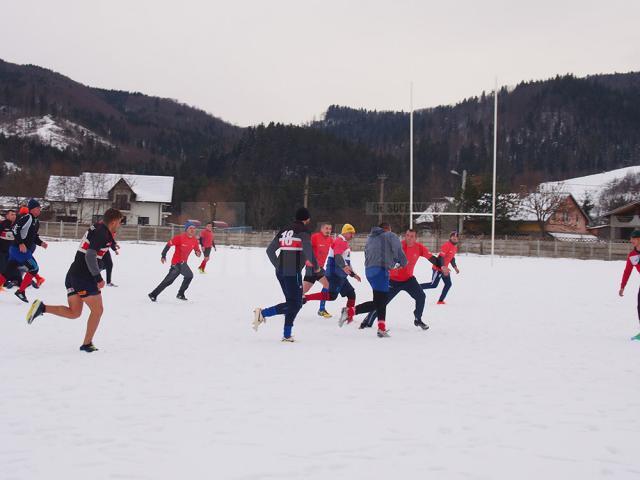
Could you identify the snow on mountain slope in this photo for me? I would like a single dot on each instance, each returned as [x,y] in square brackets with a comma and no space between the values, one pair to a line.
[57,133]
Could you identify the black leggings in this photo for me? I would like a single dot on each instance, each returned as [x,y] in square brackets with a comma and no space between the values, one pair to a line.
[107,261]
[378,304]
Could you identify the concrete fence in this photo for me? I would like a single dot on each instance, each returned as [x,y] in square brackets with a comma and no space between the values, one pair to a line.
[526,247]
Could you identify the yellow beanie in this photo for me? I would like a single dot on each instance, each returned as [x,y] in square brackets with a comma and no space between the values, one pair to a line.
[348,228]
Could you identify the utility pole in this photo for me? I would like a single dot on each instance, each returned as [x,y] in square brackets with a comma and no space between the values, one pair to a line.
[382,177]
[306,191]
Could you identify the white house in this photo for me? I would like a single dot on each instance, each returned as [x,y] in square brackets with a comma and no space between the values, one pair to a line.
[143,199]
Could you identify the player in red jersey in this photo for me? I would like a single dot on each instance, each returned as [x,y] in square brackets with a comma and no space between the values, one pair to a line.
[402,279]
[184,244]
[321,242]
[83,281]
[207,242]
[633,260]
[447,253]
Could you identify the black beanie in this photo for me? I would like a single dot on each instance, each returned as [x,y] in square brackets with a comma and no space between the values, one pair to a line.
[302,214]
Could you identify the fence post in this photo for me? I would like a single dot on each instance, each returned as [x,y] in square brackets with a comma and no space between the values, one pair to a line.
[538,246]
[609,249]
[138,233]
[46,228]
[61,229]
[77,226]
[155,233]
[172,231]
[555,247]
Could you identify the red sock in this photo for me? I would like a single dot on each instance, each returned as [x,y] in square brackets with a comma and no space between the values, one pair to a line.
[318,296]
[381,325]
[351,303]
[202,265]
[26,281]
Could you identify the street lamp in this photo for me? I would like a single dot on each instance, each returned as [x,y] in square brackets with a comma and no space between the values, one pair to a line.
[464,184]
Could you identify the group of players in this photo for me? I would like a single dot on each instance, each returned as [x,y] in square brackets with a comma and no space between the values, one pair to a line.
[389,266]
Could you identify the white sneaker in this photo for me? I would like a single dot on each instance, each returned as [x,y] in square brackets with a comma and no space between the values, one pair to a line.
[288,339]
[258,319]
[344,317]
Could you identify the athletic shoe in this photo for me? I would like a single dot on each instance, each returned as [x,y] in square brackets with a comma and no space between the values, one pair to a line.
[89,347]
[111,284]
[152,297]
[441,302]
[364,325]
[288,339]
[421,324]
[324,313]
[258,319]
[21,295]
[637,337]
[201,270]
[8,284]
[34,284]
[383,333]
[344,317]
[37,309]
[181,296]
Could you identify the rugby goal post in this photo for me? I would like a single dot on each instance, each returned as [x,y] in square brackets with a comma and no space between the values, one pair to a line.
[493,187]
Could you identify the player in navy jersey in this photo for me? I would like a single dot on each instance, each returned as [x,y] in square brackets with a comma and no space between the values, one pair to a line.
[83,281]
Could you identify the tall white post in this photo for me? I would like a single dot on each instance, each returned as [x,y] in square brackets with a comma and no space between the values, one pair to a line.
[411,156]
[495,156]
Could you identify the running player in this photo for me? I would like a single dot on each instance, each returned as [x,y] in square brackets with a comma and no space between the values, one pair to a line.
[448,252]
[633,260]
[402,279]
[83,281]
[206,242]
[382,253]
[320,243]
[12,275]
[294,245]
[184,244]
[338,270]
[26,238]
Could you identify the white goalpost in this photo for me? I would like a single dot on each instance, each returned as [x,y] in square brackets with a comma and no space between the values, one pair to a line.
[493,192]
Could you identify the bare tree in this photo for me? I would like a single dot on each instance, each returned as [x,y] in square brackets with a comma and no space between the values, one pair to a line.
[543,202]
[97,189]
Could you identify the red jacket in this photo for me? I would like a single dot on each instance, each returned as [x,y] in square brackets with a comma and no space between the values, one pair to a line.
[321,245]
[447,252]
[206,238]
[633,260]
[413,254]
[183,248]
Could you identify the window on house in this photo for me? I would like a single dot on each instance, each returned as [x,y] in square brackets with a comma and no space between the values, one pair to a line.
[143,220]
[565,217]
[122,202]
[96,218]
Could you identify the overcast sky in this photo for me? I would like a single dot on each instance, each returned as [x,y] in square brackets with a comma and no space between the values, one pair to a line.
[287,60]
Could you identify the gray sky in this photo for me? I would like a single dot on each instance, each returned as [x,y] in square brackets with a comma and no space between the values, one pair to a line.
[288,60]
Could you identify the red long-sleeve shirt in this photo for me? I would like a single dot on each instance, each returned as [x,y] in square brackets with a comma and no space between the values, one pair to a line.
[447,252]
[633,260]
[413,254]
[321,244]
[183,248]
[206,238]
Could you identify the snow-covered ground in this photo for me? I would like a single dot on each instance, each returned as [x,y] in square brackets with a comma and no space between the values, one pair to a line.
[527,373]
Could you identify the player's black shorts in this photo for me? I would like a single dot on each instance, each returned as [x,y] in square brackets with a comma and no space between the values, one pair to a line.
[312,277]
[207,251]
[85,287]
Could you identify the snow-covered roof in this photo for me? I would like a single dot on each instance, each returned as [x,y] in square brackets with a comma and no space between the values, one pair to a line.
[148,188]
[434,207]
[574,237]
[591,184]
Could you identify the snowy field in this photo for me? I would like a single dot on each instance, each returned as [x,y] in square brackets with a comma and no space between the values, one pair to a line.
[527,373]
